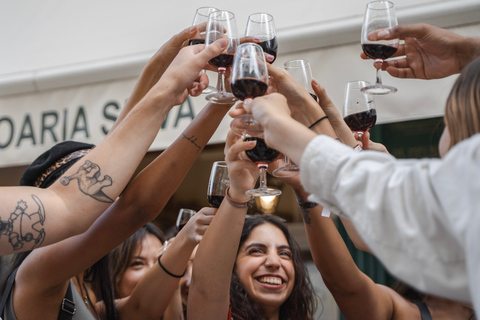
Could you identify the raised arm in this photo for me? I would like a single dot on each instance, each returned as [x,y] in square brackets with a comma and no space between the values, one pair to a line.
[209,292]
[431,52]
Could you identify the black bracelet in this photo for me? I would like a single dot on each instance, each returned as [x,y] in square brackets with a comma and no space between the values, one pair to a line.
[168,272]
[313,124]
[307,205]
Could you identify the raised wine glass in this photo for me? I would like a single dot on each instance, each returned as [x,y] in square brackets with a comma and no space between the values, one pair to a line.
[379,15]
[201,17]
[221,24]
[261,25]
[183,216]
[301,71]
[250,80]
[359,110]
[218,183]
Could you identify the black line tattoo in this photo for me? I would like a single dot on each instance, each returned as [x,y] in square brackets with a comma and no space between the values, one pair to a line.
[89,183]
[23,227]
[306,216]
[193,140]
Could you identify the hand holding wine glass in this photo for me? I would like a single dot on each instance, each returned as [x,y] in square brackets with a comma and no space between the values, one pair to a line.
[262,26]
[218,183]
[222,24]
[379,15]
[359,110]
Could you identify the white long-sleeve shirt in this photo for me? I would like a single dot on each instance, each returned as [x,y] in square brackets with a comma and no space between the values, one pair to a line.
[421,218]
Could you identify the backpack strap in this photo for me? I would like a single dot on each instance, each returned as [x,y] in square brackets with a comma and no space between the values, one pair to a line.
[7,291]
[67,310]
[424,312]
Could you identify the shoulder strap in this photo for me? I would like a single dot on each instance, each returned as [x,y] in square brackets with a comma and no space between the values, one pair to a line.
[424,312]
[8,289]
[68,305]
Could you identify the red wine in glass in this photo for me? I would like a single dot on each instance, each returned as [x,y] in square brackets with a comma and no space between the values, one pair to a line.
[223,60]
[180,226]
[314,97]
[270,47]
[248,88]
[361,121]
[378,51]
[261,153]
[215,200]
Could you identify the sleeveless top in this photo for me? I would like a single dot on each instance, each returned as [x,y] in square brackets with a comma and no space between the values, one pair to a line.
[424,312]
[81,313]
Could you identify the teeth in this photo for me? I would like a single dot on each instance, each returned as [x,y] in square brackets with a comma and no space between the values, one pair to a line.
[270,280]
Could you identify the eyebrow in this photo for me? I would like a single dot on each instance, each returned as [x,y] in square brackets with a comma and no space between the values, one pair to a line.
[264,246]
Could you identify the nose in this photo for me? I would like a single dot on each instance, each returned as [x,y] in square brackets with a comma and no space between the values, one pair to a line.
[272,262]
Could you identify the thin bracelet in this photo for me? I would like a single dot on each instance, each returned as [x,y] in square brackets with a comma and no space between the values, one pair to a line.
[237,204]
[168,272]
[313,124]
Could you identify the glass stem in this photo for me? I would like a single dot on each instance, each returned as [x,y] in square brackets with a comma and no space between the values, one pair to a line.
[263,176]
[378,66]
[221,81]
[287,161]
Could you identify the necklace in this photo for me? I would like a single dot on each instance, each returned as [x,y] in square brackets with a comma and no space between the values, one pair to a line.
[85,296]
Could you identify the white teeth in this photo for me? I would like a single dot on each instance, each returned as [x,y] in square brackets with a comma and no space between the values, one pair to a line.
[270,280]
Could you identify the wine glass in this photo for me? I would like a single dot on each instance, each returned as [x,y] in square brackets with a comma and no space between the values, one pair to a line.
[301,72]
[249,80]
[379,15]
[261,25]
[359,110]
[183,216]
[201,17]
[218,183]
[221,24]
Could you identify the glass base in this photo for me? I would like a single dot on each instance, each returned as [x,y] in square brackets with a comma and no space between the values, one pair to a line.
[246,125]
[286,171]
[225,98]
[208,90]
[379,89]
[262,192]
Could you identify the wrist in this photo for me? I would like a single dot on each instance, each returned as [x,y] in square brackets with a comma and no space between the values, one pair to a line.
[237,199]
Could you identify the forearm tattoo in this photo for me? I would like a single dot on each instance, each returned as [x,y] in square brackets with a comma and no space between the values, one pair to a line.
[89,183]
[25,225]
[193,140]
[306,215]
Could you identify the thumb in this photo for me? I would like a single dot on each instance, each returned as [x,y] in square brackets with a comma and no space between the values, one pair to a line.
[214,49]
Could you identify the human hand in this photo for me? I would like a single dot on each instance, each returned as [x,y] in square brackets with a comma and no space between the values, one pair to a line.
[367,144]
[242,171]
[184,71]
[431,52]
[197,225]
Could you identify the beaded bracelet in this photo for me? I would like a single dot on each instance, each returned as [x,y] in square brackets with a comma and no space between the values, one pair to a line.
[313,124]
[168,272]
[237,204]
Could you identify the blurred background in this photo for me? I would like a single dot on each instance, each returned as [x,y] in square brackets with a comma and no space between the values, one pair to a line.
[67,68]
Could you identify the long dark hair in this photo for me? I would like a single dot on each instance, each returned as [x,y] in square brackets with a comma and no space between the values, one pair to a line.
[301,303]
[105,275]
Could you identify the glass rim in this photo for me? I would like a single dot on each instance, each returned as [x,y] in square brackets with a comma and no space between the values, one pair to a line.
[198,11]
[220,13]
[296,63]
[371,5]
[253,15]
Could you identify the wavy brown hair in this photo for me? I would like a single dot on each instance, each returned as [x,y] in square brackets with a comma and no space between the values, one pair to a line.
[301,303]
[462,110]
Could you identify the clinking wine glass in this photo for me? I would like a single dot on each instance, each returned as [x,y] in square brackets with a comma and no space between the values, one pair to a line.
[221,24]
[250,80]
[379,15]
[201,17]
[301,72]
[261,25]
[183,216]
[359,110]
[218,183]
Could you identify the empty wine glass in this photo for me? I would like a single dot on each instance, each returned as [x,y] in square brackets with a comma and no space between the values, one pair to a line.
[359,108]
[261,25]
[221,24]
[201,17]
[183,216]
[379,15]
[218,183]
[301,72]
[249,80]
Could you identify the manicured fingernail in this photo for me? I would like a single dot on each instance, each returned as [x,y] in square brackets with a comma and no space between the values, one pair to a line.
[256,38]
[315,82]
[270,57]
[192,28]
[384,33]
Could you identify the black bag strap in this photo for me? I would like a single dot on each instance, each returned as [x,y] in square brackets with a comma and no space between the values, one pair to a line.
[7,291]
[424,312]
[68,306]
